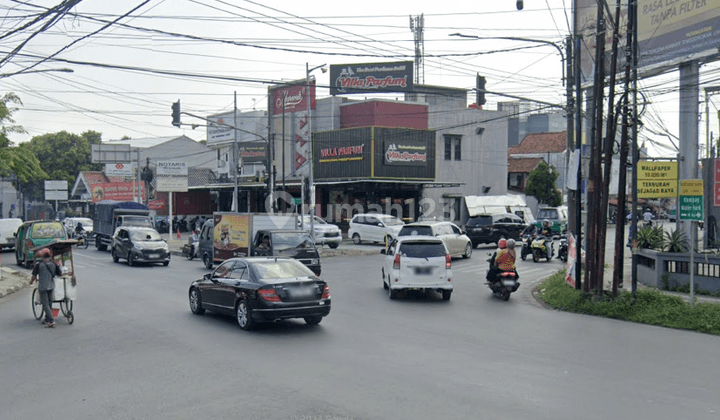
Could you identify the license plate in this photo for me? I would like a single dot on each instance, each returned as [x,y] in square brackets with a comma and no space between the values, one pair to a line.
[302,292]
[153,255]
[423,270]
[508,282]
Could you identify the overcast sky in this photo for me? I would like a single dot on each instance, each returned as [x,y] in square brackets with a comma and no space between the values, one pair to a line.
[126,76]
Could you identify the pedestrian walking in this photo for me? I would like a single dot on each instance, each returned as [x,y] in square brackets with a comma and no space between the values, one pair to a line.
[45,272]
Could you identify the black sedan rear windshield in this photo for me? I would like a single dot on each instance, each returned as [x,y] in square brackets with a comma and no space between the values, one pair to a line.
[422,249]
[480,221]
[280,269]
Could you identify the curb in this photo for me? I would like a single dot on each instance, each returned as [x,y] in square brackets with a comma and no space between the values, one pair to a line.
[12,281]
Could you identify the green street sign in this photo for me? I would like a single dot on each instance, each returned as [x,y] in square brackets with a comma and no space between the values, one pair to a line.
[297,201]
[691,206]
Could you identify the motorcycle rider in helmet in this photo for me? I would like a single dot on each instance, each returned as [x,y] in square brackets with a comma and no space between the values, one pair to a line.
[502,260]
[546,231]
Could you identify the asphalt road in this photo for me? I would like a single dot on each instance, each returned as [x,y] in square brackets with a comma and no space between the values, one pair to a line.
[136,351]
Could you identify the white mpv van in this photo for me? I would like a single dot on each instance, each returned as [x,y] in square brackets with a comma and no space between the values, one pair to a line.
[417,263]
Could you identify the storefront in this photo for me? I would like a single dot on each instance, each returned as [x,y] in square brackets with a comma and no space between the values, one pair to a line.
[372,169]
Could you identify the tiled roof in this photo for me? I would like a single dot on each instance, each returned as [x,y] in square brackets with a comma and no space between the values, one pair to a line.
[541,143]
[93,177]
[522,165]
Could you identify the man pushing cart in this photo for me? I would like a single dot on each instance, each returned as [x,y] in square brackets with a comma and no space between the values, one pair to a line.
[53,270]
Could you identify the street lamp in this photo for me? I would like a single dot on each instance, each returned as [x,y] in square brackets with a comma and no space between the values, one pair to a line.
[311,181]
[60,70]
[514,38]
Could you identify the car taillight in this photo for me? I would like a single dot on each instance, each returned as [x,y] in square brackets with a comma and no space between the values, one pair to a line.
[448,261]
[269,295]
[326,292]
[29,244]
[396,263]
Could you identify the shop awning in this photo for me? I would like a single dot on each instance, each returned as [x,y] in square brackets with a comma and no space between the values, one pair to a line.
[425,184]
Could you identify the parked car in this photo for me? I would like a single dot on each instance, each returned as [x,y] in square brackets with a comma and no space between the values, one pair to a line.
[457,242]
[139,245]
[374,227]
[71,223]
[489,228]
[558,217]
[325,233]
[261,289]
[417,262]
[8,228]
[35,233]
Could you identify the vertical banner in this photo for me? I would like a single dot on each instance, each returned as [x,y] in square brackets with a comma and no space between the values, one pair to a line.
[572,254]
[716,185]
[290,101]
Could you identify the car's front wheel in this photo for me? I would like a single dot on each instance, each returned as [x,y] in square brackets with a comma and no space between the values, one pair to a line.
[333,245]
[114,255]
[196,302]
[130,259]
[243,314]
[446,294]
[356,239]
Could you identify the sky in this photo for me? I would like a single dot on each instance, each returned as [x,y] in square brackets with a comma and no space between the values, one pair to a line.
[132,59]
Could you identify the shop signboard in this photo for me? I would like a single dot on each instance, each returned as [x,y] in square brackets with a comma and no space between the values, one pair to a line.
[375,153]
[371,77]
[255,151]
[120,191]
[291,97]
[657,179]
[691,200]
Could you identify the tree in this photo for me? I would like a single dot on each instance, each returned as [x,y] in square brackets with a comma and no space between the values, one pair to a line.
[63,156]
[541,185]
[13,160]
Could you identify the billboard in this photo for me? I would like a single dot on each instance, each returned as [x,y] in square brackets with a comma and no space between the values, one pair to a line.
[371,77]
[291,97]
[250,125]
[670,32]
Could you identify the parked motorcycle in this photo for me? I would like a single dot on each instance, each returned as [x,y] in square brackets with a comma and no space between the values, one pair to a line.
[162,225]
[540,249]
[505,282]
[563,249]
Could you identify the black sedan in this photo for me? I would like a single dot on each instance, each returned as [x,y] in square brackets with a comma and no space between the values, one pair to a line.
[260,289]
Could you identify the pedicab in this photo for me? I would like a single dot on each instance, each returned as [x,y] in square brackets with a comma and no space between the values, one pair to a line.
[65,284]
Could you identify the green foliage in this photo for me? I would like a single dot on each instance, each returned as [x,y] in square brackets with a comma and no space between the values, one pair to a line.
[13,160]
[62,155]
[649,307]
[675,241]
[541,185]
[651,237]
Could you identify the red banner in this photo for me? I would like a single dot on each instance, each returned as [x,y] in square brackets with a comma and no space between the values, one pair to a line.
[293,97]
[120,191]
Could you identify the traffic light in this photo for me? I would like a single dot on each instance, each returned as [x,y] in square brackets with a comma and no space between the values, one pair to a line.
[480,88]
[176,113]
[306,188]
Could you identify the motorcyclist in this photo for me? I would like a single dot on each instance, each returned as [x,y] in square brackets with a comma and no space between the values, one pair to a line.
[501,260]
[546,231]
[79,230]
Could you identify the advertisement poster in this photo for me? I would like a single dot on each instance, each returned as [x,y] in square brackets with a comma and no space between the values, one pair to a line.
[120,191]
[231,235]
[371,77]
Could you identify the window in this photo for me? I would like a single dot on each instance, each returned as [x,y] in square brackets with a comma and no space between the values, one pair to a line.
[453,147]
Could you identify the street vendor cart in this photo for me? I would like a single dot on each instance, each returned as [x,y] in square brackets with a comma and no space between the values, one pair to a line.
[65,285]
